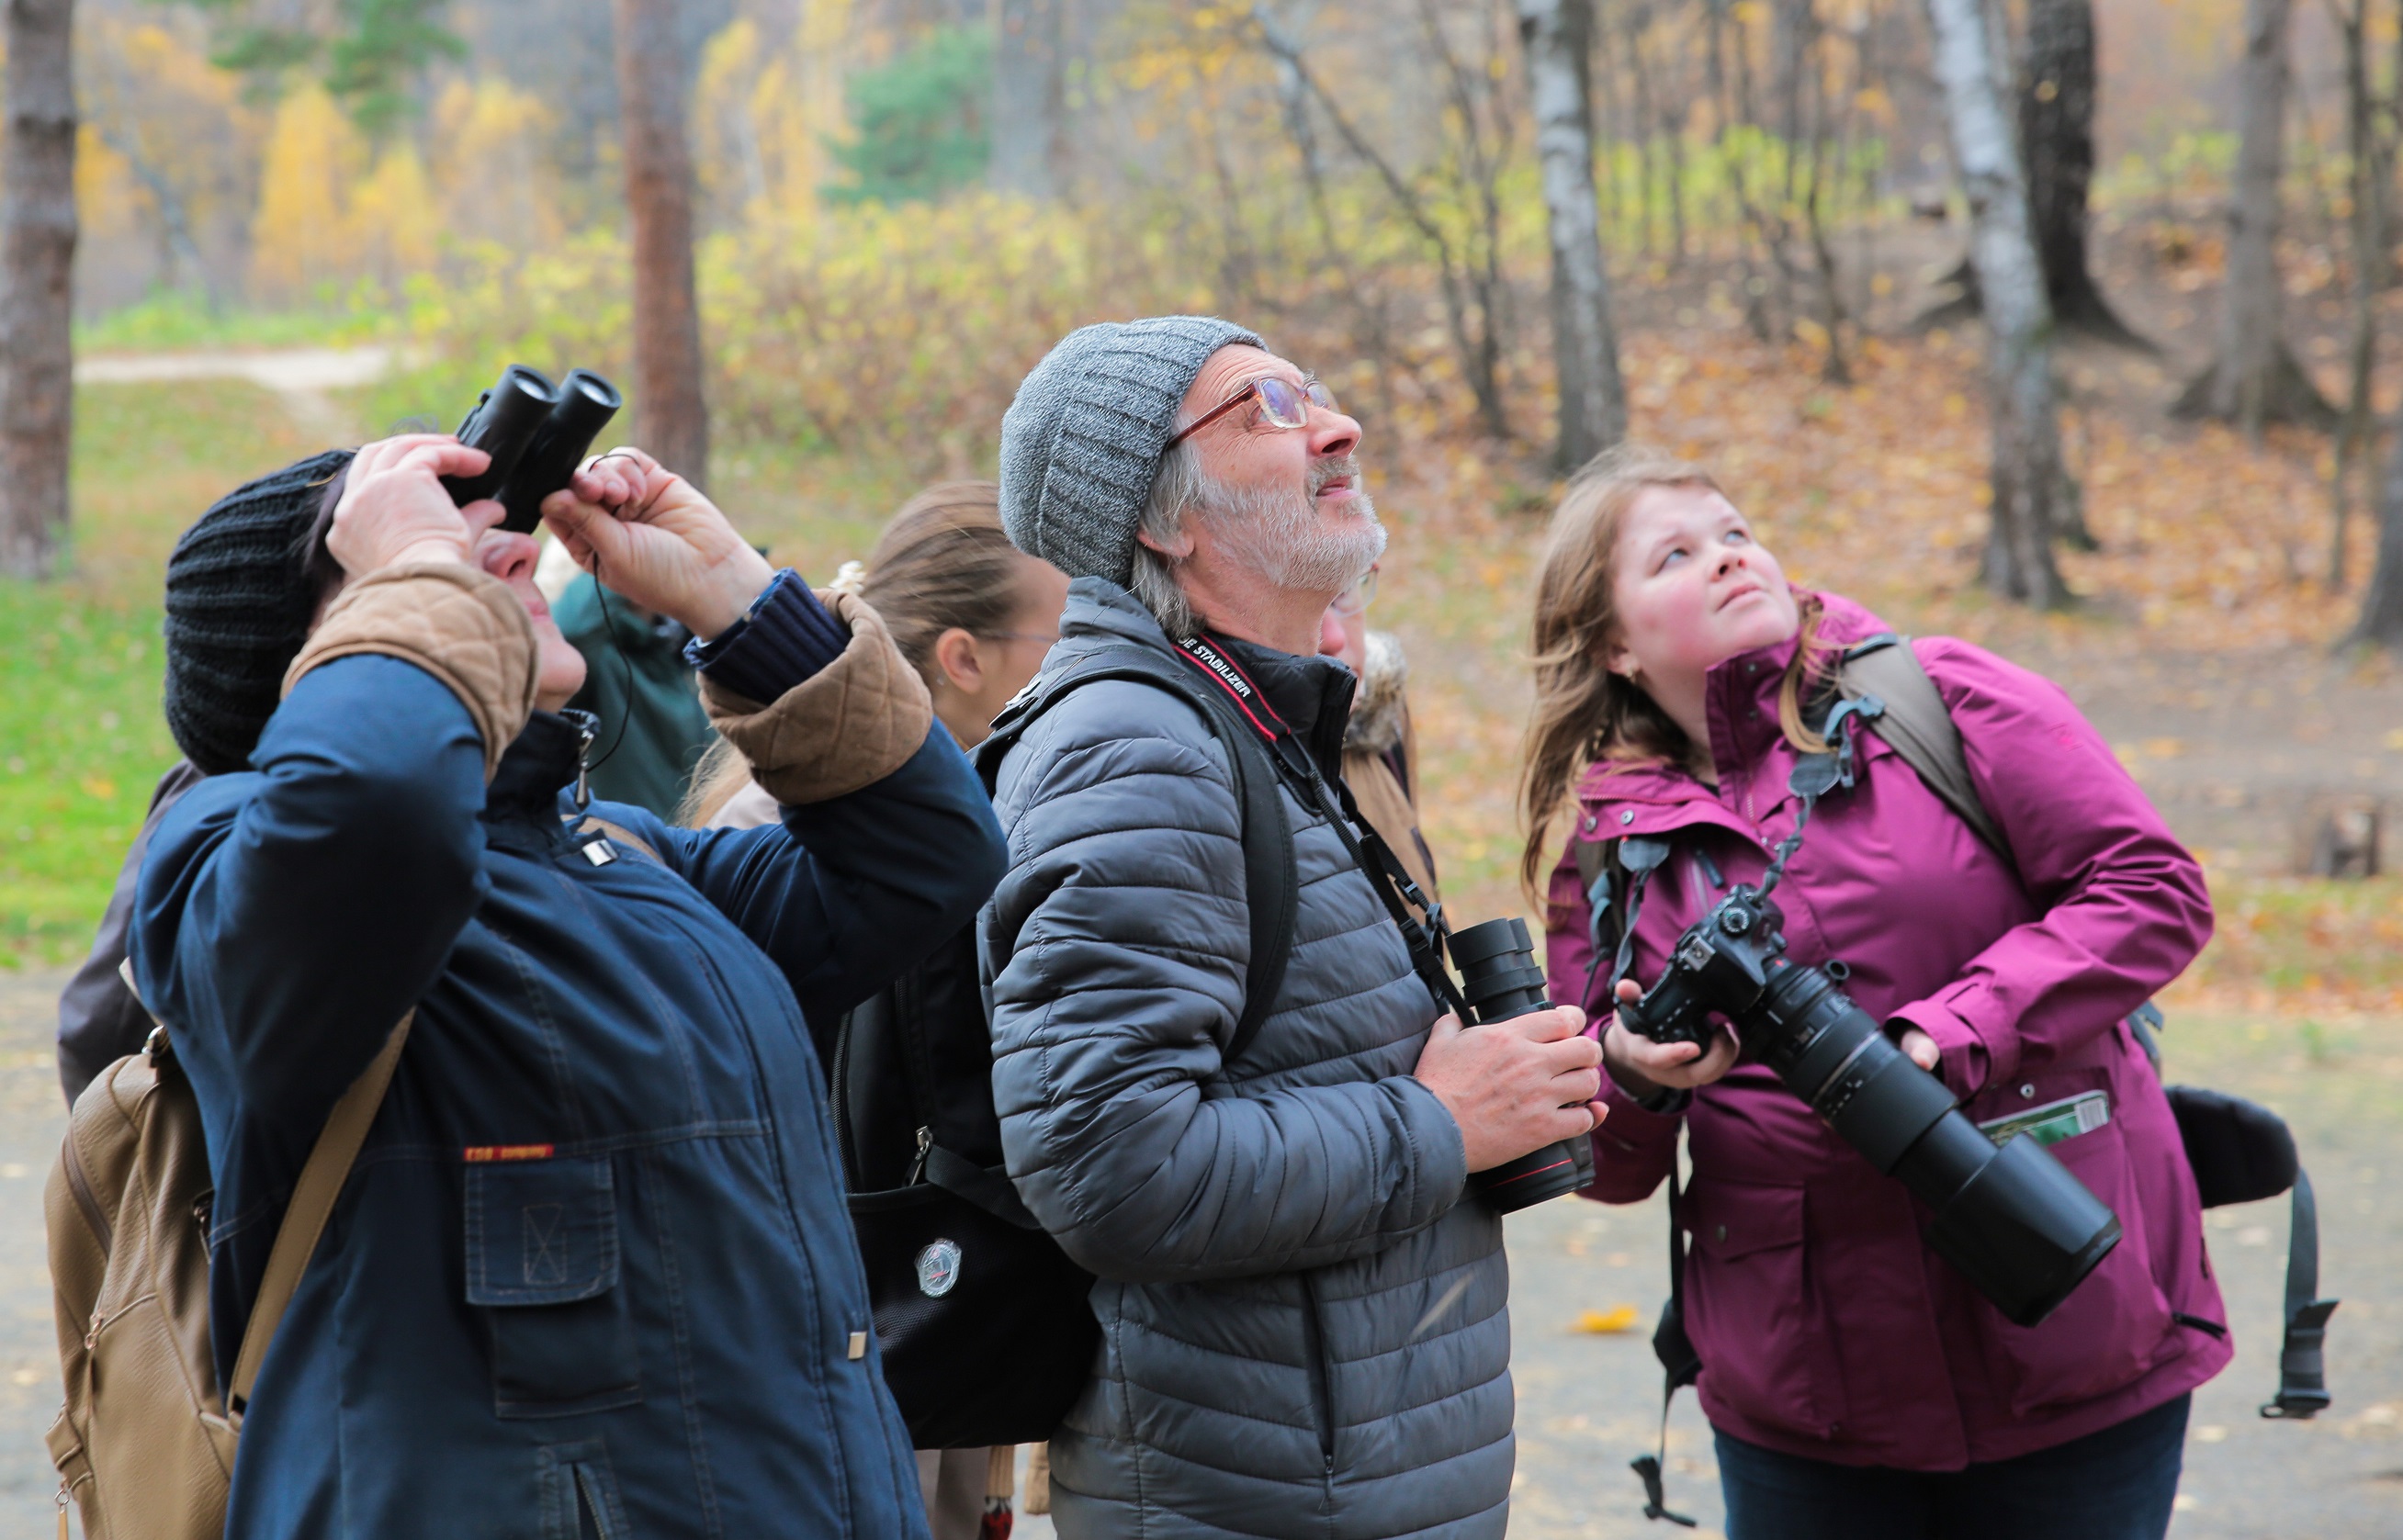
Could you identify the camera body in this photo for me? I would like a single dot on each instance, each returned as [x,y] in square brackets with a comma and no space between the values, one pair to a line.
[2012,1220]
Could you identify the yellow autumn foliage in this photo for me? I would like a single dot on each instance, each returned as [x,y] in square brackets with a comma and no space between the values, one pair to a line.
[299,237]
[488,159]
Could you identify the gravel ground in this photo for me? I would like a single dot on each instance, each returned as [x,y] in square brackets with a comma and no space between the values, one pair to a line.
[1589,1403]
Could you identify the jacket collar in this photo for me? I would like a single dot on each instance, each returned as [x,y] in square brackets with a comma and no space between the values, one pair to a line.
[1312,697]
[1740,706]
[535,769]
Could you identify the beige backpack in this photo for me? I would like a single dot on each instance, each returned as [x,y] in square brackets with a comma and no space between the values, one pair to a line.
[145,1444]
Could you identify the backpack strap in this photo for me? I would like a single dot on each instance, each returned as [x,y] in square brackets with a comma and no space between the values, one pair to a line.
[2302,1369]
[313,1204]
[1680,1364]
[1919,726]
[1272,883]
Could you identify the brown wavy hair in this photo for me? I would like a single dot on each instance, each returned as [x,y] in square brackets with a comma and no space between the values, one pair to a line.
[1583,714]
[943,562]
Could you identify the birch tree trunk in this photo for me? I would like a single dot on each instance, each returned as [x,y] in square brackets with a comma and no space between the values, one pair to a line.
[1585,345]
[2027,471]
[671,415]
[2253,378]
[37,240]
[1029,98]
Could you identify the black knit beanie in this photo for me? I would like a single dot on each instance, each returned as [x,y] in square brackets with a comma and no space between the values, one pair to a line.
[240,597]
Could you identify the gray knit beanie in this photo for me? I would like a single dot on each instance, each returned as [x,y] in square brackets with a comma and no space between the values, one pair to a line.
[1082,441]
[240,597]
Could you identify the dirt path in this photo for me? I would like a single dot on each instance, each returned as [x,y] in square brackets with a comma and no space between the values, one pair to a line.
[300,376]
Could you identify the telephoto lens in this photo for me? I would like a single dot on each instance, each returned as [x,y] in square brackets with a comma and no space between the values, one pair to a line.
[2013,1220]
[504,421]
[585,404]
[1499,980]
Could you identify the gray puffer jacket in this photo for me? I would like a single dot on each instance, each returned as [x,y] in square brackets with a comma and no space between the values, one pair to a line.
[1303,1323]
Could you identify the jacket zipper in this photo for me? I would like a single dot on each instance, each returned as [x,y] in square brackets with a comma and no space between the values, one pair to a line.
[841,1100]
[86,1200]
[1322,1396]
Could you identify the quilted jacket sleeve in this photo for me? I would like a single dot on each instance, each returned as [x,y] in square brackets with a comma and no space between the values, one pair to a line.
[1115,949]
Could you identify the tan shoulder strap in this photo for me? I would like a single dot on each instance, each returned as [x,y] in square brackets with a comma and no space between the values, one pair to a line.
[1920,727]
[619,833]
[313,1204]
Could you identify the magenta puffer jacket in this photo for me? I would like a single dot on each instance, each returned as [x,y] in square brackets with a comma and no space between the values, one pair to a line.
[1826,1329]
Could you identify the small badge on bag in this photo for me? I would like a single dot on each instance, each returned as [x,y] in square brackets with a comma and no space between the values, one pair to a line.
[938,1268]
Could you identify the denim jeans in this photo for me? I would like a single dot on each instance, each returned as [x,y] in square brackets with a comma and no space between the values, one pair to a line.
[2113,1484]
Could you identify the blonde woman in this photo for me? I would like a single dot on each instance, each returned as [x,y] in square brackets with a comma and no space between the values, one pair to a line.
[1858,1387]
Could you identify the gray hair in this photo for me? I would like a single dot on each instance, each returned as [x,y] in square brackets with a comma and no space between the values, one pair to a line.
[1177,488]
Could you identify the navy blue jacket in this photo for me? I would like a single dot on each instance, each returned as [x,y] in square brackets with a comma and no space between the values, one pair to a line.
[592,1273]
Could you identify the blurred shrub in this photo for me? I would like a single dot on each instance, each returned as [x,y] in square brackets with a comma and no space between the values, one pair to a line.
[897,330]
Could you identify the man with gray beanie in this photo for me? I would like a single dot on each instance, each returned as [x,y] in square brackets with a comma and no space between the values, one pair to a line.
[1304,1327]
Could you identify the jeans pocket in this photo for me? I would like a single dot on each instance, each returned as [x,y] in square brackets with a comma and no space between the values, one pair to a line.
[543,1270]
[2114,1326]
[1762,1335]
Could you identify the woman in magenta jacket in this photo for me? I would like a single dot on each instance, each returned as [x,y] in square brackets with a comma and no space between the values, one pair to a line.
[1859,1386]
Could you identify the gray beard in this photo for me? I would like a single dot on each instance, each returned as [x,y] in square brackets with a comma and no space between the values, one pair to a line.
[1278,535]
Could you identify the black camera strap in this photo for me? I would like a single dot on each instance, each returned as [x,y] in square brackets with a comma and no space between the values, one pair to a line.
[1423,935]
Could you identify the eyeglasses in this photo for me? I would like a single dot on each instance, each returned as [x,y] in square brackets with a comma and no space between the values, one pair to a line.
[1356,597]
[1284,404]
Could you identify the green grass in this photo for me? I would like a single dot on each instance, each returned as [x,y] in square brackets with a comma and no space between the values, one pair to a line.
[81,745]
[81,741]
[174,320]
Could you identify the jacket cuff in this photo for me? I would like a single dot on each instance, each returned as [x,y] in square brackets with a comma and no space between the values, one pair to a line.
[1632,1127]
[458,623]
[786,637]
[1435,1136]
[846,726]
[1971,1059]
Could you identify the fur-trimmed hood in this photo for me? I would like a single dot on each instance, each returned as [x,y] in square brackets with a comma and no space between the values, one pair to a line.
[1380,713]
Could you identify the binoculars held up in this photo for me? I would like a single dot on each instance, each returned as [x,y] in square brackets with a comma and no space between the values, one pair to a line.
[536,434]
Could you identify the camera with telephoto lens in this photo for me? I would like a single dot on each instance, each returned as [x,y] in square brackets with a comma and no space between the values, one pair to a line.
[536,434]
[1499,980]
[2012,1220]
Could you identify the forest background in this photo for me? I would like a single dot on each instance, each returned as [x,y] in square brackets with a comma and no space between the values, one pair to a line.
[880,255]
[308,222]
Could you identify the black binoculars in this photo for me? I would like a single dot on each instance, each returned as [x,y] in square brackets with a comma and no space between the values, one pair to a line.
[1499,980]
[536,434]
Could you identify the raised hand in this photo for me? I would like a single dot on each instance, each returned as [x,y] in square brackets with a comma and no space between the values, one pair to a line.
[394,507]
[650,535]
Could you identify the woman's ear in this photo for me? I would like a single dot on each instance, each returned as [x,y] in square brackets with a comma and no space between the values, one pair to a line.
[956,656]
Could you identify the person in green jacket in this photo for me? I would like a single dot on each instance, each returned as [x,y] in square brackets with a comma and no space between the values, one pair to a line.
[637,681]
